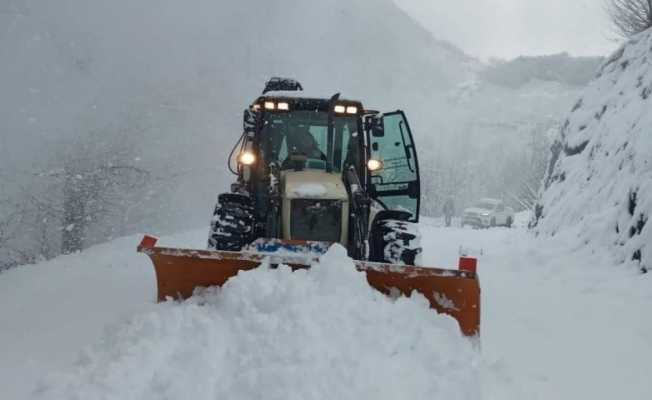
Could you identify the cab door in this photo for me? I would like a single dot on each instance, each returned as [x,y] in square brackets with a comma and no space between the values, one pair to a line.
[396,186]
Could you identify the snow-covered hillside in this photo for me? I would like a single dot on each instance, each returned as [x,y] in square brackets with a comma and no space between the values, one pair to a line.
[599,183]
[189,69]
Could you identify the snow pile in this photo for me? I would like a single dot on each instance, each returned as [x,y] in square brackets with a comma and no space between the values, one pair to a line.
[277,334]
[599,182]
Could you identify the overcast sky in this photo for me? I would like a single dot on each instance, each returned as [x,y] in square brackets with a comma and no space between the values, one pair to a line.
[509,28]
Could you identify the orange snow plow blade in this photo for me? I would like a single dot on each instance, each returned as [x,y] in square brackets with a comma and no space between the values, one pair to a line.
[452,292]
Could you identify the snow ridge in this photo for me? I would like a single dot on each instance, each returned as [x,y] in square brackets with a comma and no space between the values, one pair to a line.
[599,183]
[278,334]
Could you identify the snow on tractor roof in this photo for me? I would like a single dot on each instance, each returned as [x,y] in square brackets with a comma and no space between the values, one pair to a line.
[301,95]
[277,83]
[289,88]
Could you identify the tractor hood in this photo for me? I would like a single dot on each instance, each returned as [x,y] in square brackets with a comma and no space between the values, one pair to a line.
[315,206]
[313,184]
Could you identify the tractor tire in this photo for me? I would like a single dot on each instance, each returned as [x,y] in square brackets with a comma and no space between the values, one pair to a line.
[509,222]
[395,242]
[233,222]
[493,223]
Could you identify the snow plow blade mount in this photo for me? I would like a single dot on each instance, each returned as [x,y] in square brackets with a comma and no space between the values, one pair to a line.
[180,271]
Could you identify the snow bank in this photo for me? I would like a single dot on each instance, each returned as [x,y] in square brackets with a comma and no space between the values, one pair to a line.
[50,310]
[599,183]
[277,334]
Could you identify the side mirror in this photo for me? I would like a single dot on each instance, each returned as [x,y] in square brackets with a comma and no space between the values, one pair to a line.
[249,121]
[374,124]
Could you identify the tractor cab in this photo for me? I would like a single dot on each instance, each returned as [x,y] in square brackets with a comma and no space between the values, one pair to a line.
[312,145]
[304,133]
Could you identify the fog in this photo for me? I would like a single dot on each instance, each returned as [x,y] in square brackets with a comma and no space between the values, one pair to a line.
[140,103]
[510,28]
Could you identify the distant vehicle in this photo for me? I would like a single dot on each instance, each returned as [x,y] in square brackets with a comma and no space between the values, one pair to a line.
[488,213]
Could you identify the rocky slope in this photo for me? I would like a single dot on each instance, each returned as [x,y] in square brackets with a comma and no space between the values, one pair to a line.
[599,182]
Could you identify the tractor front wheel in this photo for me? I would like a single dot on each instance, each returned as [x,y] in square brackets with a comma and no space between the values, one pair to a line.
[232,225]
[395,242]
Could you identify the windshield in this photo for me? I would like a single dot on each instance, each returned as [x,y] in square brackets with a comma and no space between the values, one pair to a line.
[306,133]
[485,205]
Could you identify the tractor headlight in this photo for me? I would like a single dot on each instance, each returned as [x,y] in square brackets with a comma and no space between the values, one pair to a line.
[273,105]
[283,106]
[340,109]
[247,158]
[344,109]
[374,165]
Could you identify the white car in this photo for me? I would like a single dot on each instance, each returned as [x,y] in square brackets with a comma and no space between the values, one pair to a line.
[487,213]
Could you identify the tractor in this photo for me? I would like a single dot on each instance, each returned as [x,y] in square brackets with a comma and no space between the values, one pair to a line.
[312,172]
[322,169]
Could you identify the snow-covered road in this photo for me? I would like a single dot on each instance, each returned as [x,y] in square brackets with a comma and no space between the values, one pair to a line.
[557,322]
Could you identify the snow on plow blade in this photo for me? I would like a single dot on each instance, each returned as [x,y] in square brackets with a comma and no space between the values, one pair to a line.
[180,271]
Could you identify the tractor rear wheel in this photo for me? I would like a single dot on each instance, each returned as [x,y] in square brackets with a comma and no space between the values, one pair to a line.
[395,242]
[233,221]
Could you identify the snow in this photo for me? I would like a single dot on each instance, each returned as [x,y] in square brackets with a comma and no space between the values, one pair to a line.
[310,190]
[288,335]
[310,94]
[550,330]
[51,310]
[86,326]
[599,185]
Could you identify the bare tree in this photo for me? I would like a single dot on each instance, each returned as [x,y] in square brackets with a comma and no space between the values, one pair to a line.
[630,16]
[7,223]
[64,210]
[11,220]
[92,192]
